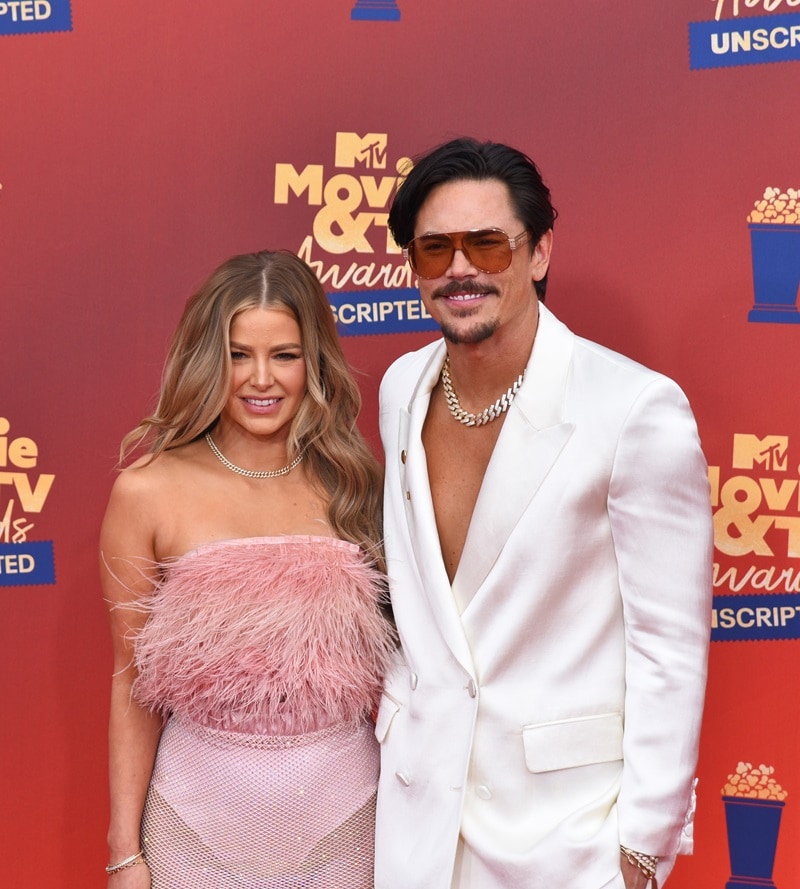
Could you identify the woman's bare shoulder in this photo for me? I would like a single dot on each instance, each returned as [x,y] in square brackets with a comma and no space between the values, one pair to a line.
[149,479]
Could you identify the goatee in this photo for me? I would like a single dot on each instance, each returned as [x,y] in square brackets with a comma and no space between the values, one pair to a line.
[476,334]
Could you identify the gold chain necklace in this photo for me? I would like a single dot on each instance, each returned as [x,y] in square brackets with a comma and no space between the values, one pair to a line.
[250,473]
[490,413]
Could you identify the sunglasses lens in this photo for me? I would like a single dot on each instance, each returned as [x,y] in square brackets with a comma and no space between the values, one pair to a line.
[488,250]
[430,255]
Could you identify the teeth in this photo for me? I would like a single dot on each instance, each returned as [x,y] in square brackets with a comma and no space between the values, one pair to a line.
[261,402]
[463,297]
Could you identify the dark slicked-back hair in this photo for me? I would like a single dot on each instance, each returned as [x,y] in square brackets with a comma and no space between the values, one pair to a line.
[473,160]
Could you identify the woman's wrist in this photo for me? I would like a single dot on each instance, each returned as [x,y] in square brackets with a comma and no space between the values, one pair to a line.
[124,863]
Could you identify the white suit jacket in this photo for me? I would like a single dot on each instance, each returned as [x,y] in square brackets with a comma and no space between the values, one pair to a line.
[546,705]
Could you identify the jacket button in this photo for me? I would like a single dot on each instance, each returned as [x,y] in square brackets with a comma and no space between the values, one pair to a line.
[413,681]
[472,688]
[408,495]
[403,457]
[483,792]
[403,779]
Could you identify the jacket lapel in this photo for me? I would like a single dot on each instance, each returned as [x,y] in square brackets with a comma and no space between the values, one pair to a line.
[420,515]
[532,437]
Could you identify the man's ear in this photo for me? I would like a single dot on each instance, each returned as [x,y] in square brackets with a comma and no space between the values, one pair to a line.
[540,257]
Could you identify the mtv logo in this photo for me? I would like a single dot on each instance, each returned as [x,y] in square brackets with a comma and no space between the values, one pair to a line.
[369,150]
[770,452]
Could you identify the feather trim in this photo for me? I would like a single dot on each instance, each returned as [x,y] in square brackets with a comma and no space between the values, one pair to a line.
[271,635]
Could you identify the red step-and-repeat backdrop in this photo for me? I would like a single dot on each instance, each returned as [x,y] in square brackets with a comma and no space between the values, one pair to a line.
[143,143]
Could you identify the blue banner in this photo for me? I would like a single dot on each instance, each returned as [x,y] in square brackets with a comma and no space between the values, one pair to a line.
[34,16]
[753,40]
[370,312]
[770,616]
[27,564]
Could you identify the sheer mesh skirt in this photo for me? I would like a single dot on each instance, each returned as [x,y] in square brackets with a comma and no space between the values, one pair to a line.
[228,809]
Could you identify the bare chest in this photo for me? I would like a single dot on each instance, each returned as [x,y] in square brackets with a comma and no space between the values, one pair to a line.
[457,458]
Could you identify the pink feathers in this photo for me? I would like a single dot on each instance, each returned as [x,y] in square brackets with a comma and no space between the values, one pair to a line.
[267,635]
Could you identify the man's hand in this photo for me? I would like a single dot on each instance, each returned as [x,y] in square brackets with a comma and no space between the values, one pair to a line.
[633,876]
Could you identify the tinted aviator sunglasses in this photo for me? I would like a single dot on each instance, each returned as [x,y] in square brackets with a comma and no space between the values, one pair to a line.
[487,249]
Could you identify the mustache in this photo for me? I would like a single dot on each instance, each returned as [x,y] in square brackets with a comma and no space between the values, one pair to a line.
[467,286]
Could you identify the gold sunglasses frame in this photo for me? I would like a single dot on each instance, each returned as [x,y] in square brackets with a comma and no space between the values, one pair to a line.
[457,243]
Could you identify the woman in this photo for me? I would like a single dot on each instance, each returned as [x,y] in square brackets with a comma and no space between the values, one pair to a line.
[240,562]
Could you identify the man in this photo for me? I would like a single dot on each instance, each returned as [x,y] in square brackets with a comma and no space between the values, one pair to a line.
[549,546]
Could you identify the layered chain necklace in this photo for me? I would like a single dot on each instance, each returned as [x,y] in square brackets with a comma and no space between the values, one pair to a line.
[490,413]
[250,473]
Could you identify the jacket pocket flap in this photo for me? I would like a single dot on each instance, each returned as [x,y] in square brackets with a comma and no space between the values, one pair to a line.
[572,742]
[386,713]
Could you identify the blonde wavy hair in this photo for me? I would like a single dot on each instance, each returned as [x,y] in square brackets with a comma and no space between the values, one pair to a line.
[196,384]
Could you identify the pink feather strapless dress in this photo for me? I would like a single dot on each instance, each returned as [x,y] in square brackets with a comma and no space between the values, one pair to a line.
[266,656]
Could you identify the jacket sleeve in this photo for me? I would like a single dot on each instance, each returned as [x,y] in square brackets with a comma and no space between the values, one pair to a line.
[660,513]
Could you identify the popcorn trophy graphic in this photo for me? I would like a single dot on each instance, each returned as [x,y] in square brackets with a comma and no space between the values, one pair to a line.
[774,225]
[753,802]
[375,11]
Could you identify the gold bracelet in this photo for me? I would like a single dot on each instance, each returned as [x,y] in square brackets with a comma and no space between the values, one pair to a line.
[645,863]
[128,862]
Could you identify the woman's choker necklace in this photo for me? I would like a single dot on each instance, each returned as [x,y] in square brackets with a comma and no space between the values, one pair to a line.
[492,412]
[250,473]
